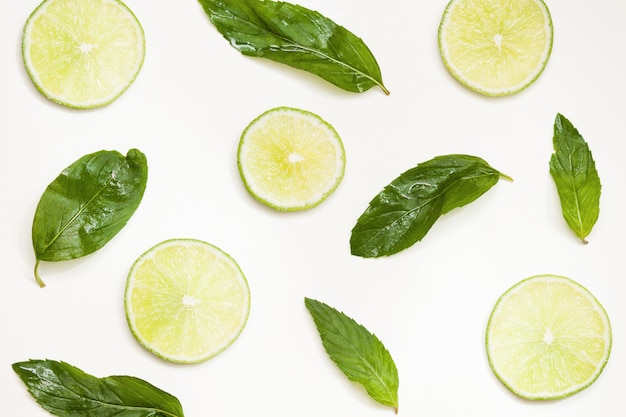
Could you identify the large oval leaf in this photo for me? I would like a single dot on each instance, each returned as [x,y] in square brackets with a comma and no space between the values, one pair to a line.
[67,391]
[406,209]
[87,205]
[298,37]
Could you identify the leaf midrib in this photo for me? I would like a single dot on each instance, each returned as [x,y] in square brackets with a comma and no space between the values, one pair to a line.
[369,366]
[73,219]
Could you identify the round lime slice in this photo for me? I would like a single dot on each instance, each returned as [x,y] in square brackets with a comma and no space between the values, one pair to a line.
[496,47]
[548,337]
[186,300]
[290,159]
[83,53]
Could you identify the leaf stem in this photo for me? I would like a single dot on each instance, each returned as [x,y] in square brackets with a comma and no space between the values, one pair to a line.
[37,277]
[506,177]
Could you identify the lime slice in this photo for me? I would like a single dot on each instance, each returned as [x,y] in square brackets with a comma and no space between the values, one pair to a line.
[495,47]
[186,300]
[548,337]
[83,53]
[290,159]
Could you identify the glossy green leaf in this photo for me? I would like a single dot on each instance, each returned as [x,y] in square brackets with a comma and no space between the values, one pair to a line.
[87,205]
[574,172]
[406,209]
[359,354]
[298,37]
[66,391]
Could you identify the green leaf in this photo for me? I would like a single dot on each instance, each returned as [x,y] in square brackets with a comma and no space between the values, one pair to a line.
[574,172]
[87,205]
[65,390]
[298,37]
[406,209]
[356,352]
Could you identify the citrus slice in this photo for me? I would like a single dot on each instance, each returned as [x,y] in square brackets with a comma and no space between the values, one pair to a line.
[290,159]
[496,47]
[548,337]
[186,300]
[83,53]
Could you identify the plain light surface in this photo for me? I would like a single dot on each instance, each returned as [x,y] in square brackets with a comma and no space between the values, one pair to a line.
[429,304]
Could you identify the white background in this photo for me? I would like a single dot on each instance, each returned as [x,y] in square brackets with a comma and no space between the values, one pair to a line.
[429,304]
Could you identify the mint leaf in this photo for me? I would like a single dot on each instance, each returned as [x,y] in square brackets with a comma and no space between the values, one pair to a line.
[357,352]
[87,205]
[403,213]
[66,391]
[574,172]
[299,37]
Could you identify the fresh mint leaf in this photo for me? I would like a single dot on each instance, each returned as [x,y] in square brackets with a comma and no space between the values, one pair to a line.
[296,36]
[359,354]
[574,172]
[87,205]
[406,209]
[66,391]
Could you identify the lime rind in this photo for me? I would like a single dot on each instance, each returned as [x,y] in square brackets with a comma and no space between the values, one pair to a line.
[51,48]
[573,388]
[168,333]
[479,87]
[251,183]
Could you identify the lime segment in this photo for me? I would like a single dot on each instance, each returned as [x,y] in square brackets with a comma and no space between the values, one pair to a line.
[186,300]
[83,53]
[548,337]
[496,47]
[290,159]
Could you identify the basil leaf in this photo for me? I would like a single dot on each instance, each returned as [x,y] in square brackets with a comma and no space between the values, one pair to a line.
[87,205]
[359,354]
[574,172]
[301,38]
[405,210]
[65,390]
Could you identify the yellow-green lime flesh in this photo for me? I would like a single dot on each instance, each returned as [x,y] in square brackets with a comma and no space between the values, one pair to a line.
[186,300]
[548,337]
[83,53]
[290,159]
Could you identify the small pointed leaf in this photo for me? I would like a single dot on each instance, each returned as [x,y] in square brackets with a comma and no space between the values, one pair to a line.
[574,172]
[359,354]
